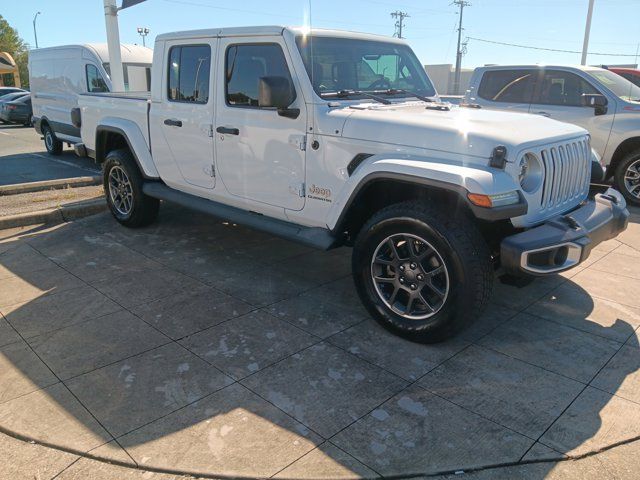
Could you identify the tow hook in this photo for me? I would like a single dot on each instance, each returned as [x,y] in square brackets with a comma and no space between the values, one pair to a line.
[572,222]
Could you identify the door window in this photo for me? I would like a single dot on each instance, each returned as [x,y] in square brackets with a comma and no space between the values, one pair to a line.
[95,82]
[245,65]
[509,86]
[189,73]
[562,88]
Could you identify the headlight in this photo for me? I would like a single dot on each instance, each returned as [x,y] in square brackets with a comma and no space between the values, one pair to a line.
[530,173]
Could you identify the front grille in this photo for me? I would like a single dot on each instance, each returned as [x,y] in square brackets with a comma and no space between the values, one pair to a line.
[567,169]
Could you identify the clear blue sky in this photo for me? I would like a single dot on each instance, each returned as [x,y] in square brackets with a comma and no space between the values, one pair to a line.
[430,29]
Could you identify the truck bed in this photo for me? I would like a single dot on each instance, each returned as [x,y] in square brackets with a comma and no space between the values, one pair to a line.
[98,108]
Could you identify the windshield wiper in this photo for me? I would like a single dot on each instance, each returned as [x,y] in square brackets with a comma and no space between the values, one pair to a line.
[350,93]
[395,91]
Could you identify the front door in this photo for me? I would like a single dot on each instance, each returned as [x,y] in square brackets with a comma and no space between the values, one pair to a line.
[185,116]
[260,154]
[559,96]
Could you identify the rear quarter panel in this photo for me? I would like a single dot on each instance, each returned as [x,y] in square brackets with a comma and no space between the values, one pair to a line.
[122,112]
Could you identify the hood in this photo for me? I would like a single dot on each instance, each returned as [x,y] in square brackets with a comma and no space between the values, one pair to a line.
[463,131]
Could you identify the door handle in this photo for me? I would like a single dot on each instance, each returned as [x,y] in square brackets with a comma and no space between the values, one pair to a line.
[544,114]
[228,131]
[173,123]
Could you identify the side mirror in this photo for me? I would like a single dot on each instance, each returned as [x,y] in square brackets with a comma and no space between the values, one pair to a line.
[596,101]
[278,93]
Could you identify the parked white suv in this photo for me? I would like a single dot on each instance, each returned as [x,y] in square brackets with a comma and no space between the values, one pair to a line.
[604,103]
[335,138]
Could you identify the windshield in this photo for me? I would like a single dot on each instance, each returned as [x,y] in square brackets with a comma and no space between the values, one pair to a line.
[346,64]
[622,87]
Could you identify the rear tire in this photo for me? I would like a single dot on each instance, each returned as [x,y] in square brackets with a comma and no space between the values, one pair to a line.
[434,280]
[51,142]
[627,178]
[123,188]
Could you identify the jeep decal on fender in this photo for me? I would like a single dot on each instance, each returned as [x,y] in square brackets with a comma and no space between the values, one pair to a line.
[319,193]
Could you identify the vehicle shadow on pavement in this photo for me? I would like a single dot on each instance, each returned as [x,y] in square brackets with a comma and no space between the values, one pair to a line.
[202,347]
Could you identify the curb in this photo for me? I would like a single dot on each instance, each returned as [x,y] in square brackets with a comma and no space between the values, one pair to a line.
[49,185]
[53,216]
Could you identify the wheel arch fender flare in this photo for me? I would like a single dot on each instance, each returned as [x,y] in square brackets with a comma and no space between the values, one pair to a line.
[134,139]
[40,122]
[430,173]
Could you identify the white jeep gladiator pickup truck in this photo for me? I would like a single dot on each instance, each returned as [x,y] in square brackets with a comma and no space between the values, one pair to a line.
[335,138]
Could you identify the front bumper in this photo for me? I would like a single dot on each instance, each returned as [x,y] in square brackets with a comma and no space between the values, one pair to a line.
[566,240]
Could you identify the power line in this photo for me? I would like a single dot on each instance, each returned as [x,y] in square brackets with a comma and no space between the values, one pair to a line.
[531,47]
[461,50]
[267,14]
[399,16]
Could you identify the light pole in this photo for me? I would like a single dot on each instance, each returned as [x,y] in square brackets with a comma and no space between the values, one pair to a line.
[113,42]
[587,32]
[143,32]
[35,33]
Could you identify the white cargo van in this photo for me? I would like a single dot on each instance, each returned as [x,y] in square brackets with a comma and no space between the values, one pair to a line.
[59,74]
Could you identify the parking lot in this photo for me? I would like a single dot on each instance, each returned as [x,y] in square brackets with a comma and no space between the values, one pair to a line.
[198,347]
[24,158]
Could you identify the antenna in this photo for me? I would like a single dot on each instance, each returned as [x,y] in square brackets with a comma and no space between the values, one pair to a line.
[399,16]
[459,51]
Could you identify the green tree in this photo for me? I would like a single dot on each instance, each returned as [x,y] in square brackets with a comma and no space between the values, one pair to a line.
[11,42]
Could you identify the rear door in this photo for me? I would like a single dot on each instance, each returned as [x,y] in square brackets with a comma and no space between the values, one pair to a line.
[183,118]
[559,96]
[510,89]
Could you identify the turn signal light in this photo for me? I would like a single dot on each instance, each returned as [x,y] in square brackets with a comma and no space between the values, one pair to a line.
[491,201]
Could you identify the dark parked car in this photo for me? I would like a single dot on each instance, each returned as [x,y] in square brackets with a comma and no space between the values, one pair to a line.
[7,90]
[17,111]
[10,97]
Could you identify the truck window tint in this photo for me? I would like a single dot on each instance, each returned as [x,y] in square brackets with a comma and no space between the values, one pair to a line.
[245,64]
[189,73]
[95,82]
[509,86]
[562,88]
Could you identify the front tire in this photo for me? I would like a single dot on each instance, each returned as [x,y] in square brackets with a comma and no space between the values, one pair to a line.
[51,142]
[422,274]
[627,178]
[123,189]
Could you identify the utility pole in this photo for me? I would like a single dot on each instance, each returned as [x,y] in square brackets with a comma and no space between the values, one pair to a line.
[587,33]
[399,16]
[35,33]
[459,52]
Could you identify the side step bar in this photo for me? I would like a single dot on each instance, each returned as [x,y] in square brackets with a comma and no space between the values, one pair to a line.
[315,237]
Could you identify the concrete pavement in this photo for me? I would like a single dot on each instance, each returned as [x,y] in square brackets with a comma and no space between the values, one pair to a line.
[202,348]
